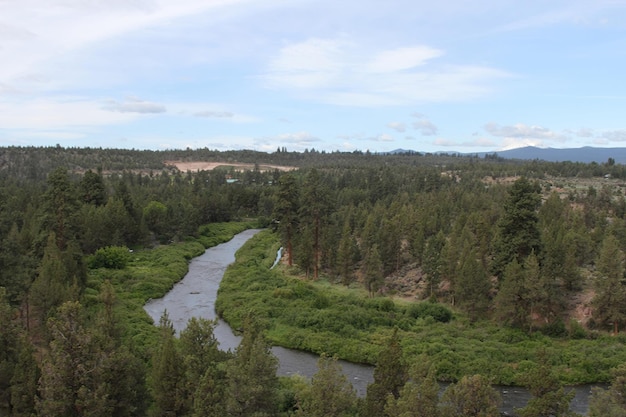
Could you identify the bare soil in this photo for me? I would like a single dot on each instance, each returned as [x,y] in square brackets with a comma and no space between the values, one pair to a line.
[208,166]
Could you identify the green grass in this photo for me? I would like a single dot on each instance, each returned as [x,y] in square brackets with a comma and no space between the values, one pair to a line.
[151,273]
[324,318]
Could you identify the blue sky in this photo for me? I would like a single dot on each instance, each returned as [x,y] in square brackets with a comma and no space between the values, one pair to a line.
[327,75]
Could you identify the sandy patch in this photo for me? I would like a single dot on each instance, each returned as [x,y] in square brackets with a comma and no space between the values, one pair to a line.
[208,166]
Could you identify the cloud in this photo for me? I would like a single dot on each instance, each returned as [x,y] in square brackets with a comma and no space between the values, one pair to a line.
[585,132]
[520,135]
[58,113]
[397,126]
[135,105]
[522,131]
[425,126]
[477,143]
[342,72]
[214,114]
[298,141]
[614,135]
[402,58]
[381,138]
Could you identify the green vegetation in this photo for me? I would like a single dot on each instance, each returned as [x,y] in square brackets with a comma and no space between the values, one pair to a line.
[324,318]
[472,265]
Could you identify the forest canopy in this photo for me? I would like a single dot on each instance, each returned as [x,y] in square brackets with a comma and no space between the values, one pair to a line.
[528,246]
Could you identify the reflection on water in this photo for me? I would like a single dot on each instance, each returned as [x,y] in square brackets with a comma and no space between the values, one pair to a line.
[195,295]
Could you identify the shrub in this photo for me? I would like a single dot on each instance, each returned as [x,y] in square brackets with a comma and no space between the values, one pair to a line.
[428,309]
[111,257]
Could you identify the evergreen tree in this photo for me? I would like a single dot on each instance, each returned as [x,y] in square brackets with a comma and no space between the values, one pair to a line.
[610,402]
[511,304]
[549,398]
[24,381]
[541,294]
[472,286]
[167,379]
[518,232]
[200,353]
[432,261]
[331,394]
[92,188]
[610,299]
[60,207]
[208,400]
[390,375]
[313,209]
[373,271]
[420,395]
[71,381]
[286,211]
[9,336]
[51,287]
[347,255]
[252,384]
[472,396]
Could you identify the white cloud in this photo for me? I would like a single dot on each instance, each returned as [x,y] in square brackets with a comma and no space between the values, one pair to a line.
[33,34]
[523,131]
[615,135]
[338,71]
[477,143]
[134,105]
[402,58]
[315,63]
[214,114]
[58,113]
[382,138]
[397,126]
[585,132]
[424,126]
[520,135]
[297,141]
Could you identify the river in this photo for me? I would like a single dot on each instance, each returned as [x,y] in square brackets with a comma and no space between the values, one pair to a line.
[195,295]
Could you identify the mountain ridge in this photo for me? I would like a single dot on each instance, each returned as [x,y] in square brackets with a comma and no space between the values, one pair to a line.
[586,154]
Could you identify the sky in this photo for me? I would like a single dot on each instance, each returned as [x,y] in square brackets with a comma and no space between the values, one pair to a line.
[332,75]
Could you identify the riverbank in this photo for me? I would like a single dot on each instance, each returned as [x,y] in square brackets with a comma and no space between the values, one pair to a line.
[320,317]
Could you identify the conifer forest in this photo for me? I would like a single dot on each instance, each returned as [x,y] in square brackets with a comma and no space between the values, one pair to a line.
[434,268]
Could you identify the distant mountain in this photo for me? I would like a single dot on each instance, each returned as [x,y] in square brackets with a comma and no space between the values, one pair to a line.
[586,154]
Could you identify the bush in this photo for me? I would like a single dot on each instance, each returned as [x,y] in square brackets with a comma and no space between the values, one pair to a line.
[428,309]
[111,257]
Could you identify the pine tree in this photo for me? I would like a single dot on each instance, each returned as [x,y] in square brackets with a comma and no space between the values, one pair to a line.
[71,382]
[252,384]
[92,188]
[52,286]
[9,336]
[167,379]
[472,396]
[346,254]
[390,375]
[610,299]
[286,211]
[420,395]
[518,232]
[313,208]
[200,354]
[24,381]
[373,271]
[472,286]
[60,207]
[549,398]
[331,394]
[208,399]
[511,304]
[610,402]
